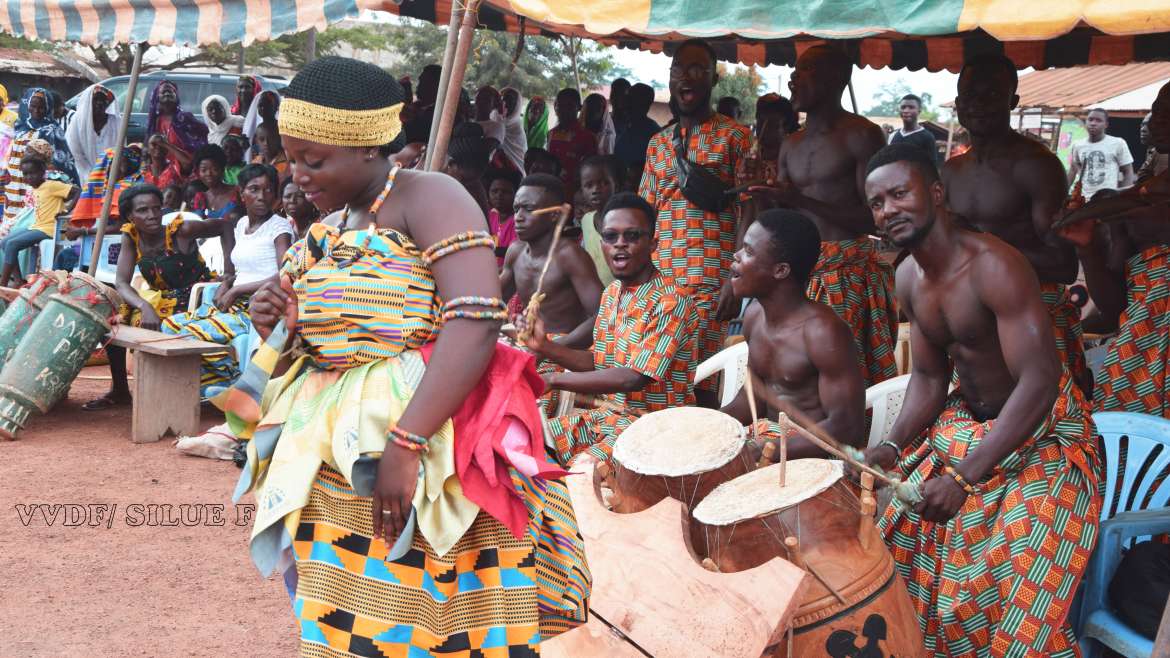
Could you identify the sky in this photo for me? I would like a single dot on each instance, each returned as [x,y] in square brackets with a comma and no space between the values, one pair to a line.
[653,67]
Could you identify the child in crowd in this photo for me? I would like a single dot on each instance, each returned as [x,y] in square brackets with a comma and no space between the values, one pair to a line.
[50,198]
[172,197]
[501,192]
[601,177]
[540,161]
[234,147]
[297,208]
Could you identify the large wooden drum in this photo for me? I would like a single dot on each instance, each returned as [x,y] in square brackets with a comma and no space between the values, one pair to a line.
[681,453]
[854,603]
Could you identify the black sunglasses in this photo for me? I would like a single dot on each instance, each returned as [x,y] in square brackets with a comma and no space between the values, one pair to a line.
[630,235]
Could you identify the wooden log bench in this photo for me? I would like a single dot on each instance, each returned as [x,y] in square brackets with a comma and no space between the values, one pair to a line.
[166,381]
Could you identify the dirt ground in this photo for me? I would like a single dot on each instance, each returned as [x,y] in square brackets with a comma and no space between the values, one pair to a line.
[124,584]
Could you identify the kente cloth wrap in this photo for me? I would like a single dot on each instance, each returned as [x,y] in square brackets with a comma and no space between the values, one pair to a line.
[647,328]
[339,127]
[851,279]
[460,578]
[93,190]
[999,578]
[695,247]
[1066,327]
[170,273]
[208,323]
[1133,375]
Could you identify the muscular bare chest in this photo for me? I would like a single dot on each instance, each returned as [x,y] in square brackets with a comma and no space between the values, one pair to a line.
[820,165]
[988,198]
[779,357]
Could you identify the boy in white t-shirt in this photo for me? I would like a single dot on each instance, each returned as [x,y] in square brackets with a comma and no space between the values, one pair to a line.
[1102,161]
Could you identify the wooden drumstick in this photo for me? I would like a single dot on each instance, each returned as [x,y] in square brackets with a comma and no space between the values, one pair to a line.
[751,396]
[545,211]
[783,419]
[710,565]
[533,308]
[766,455]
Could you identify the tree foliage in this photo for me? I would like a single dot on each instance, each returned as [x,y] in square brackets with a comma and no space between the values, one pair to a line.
[742,83]
[888,97]
[543,68]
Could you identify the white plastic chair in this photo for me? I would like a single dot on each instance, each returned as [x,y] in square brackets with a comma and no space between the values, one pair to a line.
[201,293]
[885,399]
[732,362]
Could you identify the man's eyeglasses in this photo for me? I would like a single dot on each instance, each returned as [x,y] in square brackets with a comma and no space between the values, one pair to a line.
[630,236]
[692,72]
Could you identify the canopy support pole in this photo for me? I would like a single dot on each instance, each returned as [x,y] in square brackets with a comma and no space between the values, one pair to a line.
[451,104]
[950,137]
[444,77]
[114,175]
[853,97]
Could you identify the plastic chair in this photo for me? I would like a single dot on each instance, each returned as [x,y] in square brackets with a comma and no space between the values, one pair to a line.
[732,362]
[885,399]
[202,293]
[902,348]
[1137,490]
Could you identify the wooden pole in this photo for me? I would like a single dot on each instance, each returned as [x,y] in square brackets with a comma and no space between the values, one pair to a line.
[311,44]
[458,68]
[240,59]
[114,175]
[950,136]
[573,43]
[853,98]
[444,77]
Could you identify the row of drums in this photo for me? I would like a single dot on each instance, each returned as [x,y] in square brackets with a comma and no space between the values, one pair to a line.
[46,335]
[739,517]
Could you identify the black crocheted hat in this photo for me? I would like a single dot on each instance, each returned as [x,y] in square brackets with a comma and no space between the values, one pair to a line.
[343,102]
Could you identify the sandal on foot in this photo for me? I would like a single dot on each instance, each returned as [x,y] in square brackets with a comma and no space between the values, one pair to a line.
[107,401]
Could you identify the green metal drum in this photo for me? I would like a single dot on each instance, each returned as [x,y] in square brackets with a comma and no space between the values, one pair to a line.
[53,351]
[19,315]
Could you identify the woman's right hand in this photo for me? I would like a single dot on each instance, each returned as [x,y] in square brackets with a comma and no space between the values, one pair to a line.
[275,300]
[150,319]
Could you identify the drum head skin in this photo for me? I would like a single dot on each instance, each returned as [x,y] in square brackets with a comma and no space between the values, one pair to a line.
[680,441]
[759,493]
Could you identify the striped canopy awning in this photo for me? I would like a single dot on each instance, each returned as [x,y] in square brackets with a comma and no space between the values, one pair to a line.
[169,22]
[913,34]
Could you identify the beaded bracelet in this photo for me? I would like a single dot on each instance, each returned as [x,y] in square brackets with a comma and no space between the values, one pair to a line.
[497,316]
[967,486]
[457,242]
[473,300]
[408,440]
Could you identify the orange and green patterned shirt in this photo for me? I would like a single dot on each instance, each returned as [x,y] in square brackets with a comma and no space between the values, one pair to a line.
[648,329]
[695,247]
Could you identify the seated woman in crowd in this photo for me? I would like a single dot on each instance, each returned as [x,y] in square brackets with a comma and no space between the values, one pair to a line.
[218,200]
[179,127]
[36,124]
[297,208]
[220,122]
[164,164]
[252,250]
[168,259]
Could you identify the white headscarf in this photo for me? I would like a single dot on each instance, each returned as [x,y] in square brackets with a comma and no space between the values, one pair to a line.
[608,135]
[253,120]
[217,131]
[85,144]
[515,142]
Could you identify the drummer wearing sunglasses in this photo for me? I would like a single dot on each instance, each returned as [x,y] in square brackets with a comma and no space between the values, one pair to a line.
[642,340]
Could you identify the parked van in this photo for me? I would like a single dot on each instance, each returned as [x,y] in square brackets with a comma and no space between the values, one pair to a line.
[193,88]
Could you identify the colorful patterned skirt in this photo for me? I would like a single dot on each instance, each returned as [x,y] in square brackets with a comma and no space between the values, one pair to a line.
[710,334]
[491,595]
[210,324]
[1133,375]
[999,578]
[1066,325]
[851,279]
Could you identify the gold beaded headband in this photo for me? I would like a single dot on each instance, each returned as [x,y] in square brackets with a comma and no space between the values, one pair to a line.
[338,127]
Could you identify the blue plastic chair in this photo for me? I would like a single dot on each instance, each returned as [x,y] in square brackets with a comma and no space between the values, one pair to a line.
[1137,491]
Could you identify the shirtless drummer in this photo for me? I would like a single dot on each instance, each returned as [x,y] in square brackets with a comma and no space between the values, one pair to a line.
[821,172]
[799,348]
[1014,188]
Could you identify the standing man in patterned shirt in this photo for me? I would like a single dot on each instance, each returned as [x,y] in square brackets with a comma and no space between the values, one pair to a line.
[696,244]
[821,172]
[642,340]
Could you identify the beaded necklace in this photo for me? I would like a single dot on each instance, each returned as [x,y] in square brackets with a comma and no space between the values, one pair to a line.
[371,230]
